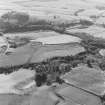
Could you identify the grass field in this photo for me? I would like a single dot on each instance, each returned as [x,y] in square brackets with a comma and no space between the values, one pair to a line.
[39,53]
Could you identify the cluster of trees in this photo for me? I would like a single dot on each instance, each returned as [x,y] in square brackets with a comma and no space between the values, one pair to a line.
[50,70]
[13,20]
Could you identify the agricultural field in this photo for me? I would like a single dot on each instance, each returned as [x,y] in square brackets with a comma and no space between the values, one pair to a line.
[52,52]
